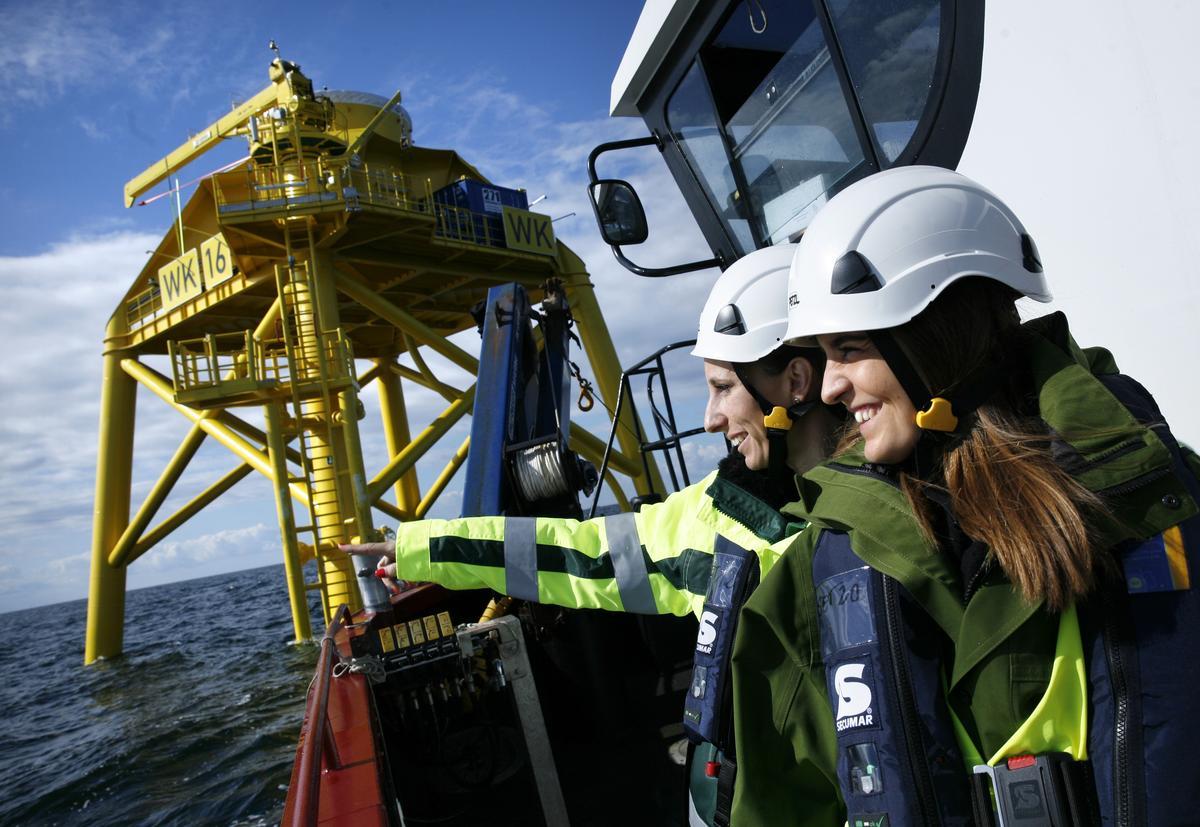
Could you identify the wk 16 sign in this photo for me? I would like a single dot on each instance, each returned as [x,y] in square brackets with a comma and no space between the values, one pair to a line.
[189,275]
[528,231]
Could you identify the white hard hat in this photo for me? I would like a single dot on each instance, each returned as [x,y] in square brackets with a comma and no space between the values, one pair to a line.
[883,248]
[745,317]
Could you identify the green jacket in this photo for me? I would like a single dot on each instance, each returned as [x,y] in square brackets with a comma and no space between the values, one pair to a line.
[1001,647]
[655,561]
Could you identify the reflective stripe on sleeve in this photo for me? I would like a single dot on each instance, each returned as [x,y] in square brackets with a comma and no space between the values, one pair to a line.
[625,548]
[520,557]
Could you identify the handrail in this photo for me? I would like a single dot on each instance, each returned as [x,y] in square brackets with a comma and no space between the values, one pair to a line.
[668,433]
[318,740]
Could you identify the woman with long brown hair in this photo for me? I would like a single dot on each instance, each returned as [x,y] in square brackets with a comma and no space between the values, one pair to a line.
[995,620]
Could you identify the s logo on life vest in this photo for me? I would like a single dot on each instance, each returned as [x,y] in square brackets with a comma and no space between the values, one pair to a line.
[854,697]
[708,632]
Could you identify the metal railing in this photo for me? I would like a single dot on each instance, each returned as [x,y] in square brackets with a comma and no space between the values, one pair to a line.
[143,307]
[388,187]
[319,750]
[462,224]
[294,186]
[669,435]
[231,358]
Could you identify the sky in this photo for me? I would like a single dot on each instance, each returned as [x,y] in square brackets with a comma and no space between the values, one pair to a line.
[98,91]
[1102,172]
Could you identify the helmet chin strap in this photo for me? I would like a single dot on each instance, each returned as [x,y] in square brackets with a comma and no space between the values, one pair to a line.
[778,422]
[935,413]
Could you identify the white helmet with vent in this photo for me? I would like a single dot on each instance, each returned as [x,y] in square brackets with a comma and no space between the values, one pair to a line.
[745,317]
[882,249]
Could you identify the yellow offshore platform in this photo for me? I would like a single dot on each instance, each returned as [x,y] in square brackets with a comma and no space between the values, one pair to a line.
[324,248]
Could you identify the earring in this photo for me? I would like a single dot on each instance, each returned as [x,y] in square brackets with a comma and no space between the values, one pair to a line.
[795,400]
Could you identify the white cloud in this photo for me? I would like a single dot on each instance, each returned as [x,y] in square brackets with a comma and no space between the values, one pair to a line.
[92,129]
[243,545]
[52,47]
[52,322]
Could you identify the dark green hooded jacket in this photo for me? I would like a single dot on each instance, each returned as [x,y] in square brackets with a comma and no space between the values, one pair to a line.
[999,648]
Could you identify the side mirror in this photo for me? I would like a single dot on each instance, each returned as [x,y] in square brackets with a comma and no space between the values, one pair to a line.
[618,212]
[621,217]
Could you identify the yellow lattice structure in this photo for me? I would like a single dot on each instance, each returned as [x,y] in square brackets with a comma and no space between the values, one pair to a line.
[288,283]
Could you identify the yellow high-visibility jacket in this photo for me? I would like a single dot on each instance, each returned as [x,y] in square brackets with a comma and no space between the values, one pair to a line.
[655,561]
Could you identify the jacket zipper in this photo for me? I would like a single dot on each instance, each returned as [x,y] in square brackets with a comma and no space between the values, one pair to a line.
[1120,689]
[972,586]
[1136,483]
[728,513]
[909,715]
[1115,636]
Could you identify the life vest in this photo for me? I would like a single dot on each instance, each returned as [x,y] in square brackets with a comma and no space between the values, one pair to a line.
[707,713]
[898,756]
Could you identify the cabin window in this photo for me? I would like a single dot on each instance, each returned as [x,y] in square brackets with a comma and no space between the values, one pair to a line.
[783,103]
[762,121]
[891,49]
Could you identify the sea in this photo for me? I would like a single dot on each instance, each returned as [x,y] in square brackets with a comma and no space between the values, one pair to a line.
[196,724]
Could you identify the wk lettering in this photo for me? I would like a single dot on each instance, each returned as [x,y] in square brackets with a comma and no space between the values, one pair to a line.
[527,231]
[180,280]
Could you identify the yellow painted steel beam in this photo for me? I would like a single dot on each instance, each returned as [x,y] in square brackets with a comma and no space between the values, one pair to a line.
[392,511]
[123,553]
[584,442]
[447,392]
[424,334]
[158,383]
[341,510]
[292,564]
[158,494]
[597,343]
[416,449]
[618,494]
[161,531]
[205,139]
[443,479]
[372,125]
[370,374]
[423,367]
[361,501]
[395,430]
[244,428]
[114,474]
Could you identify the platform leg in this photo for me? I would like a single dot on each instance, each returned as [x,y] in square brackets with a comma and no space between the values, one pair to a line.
[114,469]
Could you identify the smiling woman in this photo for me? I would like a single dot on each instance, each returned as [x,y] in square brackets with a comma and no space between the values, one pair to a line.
[1002,548]
[857,377]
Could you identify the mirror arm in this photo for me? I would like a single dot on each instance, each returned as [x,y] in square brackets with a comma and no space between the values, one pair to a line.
[649,140]
[649,272]
[657,272]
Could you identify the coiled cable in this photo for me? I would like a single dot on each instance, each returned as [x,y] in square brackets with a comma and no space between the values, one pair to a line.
[539,472]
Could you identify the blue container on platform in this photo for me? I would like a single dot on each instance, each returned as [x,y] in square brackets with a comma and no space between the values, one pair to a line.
[486,203]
